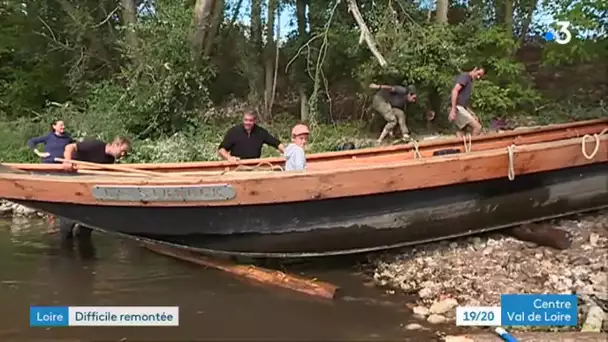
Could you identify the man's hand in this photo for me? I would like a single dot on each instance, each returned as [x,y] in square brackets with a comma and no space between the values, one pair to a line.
[374,86]
[233,159]
[68,166]
[452,115]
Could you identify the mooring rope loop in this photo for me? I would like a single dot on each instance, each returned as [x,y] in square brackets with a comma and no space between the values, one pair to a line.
[417,153]
[467,145]
[257,167]
[597,144]
[511,169]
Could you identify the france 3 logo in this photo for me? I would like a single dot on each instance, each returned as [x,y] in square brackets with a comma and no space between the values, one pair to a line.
[562,35]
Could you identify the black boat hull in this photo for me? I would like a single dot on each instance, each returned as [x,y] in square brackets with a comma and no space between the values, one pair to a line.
[357,224]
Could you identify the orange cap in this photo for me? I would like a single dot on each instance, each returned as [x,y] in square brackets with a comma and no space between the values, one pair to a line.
[299,130]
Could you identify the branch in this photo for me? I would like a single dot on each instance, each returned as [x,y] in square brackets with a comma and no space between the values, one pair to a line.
[365,34]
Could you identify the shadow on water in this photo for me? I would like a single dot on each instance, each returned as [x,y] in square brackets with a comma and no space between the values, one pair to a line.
[40,269]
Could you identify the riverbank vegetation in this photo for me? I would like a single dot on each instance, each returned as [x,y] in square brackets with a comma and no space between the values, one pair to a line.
[175,74]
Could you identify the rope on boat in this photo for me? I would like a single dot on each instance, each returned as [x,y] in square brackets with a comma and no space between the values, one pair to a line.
[417,153]
[257,167]
[467,145]
[511,170]
[597,144]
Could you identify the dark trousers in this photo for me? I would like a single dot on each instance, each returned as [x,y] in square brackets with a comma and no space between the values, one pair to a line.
[66,229]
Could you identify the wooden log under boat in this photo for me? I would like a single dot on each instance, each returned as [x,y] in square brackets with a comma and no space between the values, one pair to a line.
[327,160]
[355,207]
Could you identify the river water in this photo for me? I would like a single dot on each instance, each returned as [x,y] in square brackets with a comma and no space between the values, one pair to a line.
[38,269]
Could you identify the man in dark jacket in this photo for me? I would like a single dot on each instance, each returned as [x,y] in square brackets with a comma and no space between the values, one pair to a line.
[245,141]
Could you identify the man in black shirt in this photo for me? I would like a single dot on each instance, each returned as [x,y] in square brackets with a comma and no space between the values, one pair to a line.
[93,151]
[245,141]
[391,103]
[460,112]
[96,151]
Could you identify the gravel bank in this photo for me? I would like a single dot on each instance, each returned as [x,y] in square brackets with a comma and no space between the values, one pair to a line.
[476,270]
[8,209]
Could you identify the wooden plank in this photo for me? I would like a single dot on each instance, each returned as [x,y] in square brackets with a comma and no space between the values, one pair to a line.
[346,181]
[264,276]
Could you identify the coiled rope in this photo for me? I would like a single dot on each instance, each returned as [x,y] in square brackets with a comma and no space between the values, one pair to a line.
[597,144]
[417,153]
[511,169]
[258,167]
[467,145]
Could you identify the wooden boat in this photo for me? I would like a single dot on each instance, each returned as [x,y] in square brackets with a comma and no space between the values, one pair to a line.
[348,202]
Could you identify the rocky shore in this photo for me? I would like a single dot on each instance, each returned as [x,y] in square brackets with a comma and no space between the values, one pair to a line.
[8,209]
[475,271]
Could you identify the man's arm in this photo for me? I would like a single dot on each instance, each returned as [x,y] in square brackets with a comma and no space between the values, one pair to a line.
[225,154]
[274,142]
[454,100]
[400,90]
[68,152]
[225,147]
[382,86]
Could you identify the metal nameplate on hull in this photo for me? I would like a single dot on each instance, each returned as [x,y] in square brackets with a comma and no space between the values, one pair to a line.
[192,193]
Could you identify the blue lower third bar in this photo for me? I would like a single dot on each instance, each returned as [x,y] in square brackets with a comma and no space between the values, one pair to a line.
[539,310]
[49,316]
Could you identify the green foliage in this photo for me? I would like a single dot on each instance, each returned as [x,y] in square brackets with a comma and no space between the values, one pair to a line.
[75,60]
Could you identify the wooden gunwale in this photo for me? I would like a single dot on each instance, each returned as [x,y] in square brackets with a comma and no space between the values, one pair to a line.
[325,160]
[277,187]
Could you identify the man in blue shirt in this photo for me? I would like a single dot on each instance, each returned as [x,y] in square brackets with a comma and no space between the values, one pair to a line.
[460,113]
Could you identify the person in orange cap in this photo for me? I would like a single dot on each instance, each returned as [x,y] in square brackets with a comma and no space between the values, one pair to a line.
[294,152]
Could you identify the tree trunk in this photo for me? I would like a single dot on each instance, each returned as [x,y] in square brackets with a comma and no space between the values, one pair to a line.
[216,22]
[269,57]
[509,17]
[200,25]
[525,26]
[499,12]
[442,11]
[235,15]
[129,20]
[256,25]
[255,63]
[301,70]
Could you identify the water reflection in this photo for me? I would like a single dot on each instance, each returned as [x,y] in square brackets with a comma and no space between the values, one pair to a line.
[39,268]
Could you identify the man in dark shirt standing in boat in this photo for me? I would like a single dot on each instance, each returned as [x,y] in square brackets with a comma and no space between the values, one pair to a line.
[96,151]
[93,151]
[245,141]
[391,103]
[460,111]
